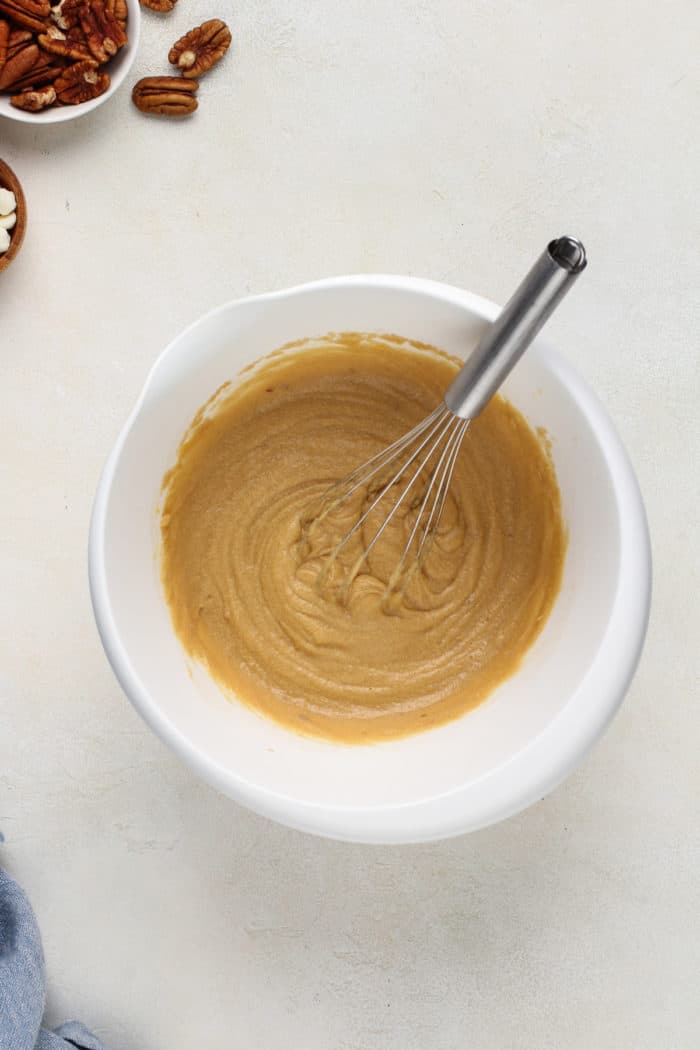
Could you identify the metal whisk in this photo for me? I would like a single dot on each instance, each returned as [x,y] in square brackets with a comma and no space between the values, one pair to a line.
[429,451]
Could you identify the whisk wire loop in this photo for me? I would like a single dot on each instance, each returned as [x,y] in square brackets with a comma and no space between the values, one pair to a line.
[437,440]
[441,421]
[371,467]
[442,475]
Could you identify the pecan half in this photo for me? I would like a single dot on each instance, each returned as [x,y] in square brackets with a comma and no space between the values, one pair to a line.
[30,14]
[69,44]
[104,34]
[45,71]
[80,83]
[118,8]
[4,41]
[161,6]
[34,101]
[66,13]
[25,70]
[19,65]
[165,96]
[40,80]
[198,50]
[18,38]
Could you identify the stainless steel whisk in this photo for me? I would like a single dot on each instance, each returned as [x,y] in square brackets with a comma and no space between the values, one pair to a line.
[431,448]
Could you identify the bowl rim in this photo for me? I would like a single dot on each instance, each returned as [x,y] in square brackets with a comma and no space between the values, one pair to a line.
[524,777]
[60,114]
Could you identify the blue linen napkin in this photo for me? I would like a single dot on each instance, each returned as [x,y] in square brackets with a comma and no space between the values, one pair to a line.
[23,981]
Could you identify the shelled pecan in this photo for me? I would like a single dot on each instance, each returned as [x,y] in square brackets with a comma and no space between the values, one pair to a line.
[165,96]
[70,43]
[66,13]
[117,8]
[80,83]
[201,48]
[34,101]
[18,64]
[4,41]
[161,6]
[43,73]
[18,38]
[104,34]
[28,14]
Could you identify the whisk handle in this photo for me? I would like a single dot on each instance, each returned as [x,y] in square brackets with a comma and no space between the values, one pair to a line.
[516,326]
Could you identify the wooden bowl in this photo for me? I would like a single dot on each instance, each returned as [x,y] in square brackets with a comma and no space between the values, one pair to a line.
[9,181]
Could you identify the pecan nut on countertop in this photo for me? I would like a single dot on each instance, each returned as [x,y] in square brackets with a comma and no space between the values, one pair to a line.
[165,96]
[198,50]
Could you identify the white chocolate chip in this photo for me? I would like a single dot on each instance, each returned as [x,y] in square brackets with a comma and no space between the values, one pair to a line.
[4,241]
[8,203]
[8,221]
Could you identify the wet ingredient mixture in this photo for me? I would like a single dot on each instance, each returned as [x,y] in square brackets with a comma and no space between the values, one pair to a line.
[242,579]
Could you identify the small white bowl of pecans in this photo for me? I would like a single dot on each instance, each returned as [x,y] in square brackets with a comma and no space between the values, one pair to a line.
[61,59]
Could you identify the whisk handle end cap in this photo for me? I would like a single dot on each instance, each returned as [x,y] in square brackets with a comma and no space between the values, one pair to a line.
[568,253]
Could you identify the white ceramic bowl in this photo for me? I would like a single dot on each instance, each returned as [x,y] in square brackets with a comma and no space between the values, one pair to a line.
[118,69]
[493,761]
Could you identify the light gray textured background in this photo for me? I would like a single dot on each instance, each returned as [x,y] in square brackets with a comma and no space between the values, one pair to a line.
[446,138]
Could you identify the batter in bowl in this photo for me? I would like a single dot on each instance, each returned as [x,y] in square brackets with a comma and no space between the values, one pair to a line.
[241,572]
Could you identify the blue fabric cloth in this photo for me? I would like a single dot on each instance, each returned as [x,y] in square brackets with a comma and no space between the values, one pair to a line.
[23,981]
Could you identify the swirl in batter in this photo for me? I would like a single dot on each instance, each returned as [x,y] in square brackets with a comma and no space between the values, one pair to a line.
[241,575]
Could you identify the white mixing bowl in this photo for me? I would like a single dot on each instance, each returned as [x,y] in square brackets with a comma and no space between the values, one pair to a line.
[494,760]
